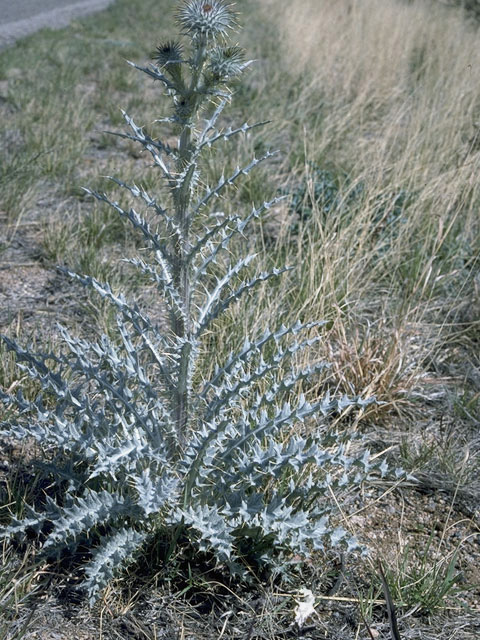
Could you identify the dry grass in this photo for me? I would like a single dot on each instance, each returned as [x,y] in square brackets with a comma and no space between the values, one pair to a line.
[386,94]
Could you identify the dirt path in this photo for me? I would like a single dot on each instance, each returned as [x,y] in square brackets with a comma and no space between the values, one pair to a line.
[23,17]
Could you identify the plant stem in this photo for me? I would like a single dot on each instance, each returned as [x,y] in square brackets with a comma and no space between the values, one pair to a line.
[183,326]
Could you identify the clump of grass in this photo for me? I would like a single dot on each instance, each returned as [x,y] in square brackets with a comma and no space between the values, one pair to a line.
[425,582]
[379,362]
[20,579]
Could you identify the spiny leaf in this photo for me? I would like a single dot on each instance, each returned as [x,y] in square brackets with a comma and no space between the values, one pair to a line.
[215,294]
[228,133]
[86,512]
[138,222]
[250,349]
[141,324]
[138,192]
[151,146]
[224,182]
[241,224]
[164,283]
[212,313]
[211,122]
[108,558]
[154,493]
[154,73]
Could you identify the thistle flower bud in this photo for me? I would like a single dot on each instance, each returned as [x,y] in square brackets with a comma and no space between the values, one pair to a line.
[183,111]
[169,56]
[168,53]
[226,62]
[207,19]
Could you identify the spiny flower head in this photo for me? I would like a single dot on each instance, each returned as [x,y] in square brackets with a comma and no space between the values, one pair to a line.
[208,19]
[168,53]
[226,62]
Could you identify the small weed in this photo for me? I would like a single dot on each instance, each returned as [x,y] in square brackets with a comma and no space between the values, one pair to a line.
[145,443]
[444,456]
[425,582]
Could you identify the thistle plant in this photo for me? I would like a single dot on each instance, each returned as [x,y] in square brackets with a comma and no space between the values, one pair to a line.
[137,440]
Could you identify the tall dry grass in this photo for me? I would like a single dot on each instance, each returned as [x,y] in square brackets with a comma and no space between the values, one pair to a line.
[398,87]
[385,94]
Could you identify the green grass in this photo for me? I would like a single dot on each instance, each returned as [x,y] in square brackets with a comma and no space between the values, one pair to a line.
[424,582]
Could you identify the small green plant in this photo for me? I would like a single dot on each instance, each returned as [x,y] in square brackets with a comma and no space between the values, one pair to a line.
[139,441]
[425,582]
